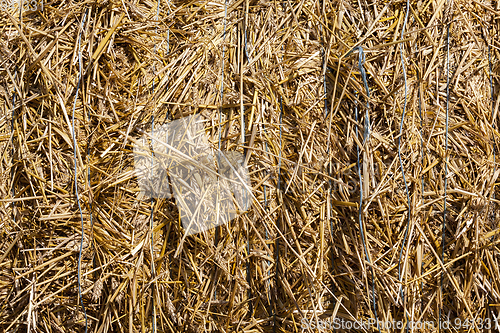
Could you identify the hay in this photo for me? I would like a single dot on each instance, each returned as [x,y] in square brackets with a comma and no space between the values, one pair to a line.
[297,254]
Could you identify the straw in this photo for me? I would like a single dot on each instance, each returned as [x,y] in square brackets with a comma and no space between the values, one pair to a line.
[331,234]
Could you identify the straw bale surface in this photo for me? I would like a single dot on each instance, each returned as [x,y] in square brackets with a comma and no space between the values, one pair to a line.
[299,253]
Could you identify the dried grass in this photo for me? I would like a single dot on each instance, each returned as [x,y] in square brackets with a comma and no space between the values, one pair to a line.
[297,253]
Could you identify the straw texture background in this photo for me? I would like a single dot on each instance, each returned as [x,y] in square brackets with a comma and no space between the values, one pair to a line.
[298,252]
